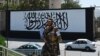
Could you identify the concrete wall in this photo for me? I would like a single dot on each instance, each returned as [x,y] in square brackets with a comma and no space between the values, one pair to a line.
[2,21]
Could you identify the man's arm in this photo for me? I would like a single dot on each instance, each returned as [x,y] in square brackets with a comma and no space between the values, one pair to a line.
[45,34]
[59,36]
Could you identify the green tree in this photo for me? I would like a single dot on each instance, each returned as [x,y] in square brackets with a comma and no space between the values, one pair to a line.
[2,40]
[25,5]
[70,4]
[33,4]
[3,7]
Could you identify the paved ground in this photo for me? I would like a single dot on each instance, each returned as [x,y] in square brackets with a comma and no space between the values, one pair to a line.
[16,44]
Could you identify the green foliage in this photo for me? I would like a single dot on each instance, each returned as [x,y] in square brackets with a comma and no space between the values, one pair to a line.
[2,40]
[70,4]
[26,5]
[33,4]
[2,7]
[23,6]
[13,7]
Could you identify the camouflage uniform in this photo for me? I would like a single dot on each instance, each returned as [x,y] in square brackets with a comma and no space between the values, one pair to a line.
[51,47]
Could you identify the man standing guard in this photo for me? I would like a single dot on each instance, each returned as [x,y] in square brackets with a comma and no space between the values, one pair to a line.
[51,37]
